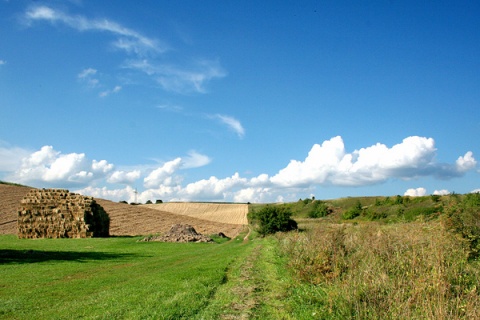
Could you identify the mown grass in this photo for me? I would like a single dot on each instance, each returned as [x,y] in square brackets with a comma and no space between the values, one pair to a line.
[114,278]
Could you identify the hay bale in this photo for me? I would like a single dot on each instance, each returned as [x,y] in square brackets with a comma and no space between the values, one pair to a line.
[58,213]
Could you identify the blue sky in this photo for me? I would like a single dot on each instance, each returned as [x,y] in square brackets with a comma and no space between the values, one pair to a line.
[240,100]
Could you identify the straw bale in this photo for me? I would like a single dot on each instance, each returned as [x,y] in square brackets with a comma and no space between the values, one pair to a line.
[58,213]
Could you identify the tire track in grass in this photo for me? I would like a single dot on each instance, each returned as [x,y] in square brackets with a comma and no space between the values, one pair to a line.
[253,288]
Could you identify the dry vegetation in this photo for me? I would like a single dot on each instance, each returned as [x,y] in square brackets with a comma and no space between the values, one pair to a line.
[216,212]
[411,270]
[125,219]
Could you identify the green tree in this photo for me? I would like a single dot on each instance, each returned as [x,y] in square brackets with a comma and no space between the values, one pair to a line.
[272,219]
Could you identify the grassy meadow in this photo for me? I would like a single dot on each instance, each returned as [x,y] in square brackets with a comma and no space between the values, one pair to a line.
[114,278]
[353,258]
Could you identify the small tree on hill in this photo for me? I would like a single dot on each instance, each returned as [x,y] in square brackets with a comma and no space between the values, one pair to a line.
[272,219]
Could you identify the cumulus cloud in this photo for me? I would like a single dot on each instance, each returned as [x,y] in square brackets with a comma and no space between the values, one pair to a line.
[231,123]
[329,163]
[162,175]
[465,163]
[326,164]
[212,188]
[124,177]
[442,192]
[48,167]
[418,192]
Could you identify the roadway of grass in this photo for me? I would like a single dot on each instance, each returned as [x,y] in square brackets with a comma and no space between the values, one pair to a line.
[114,278]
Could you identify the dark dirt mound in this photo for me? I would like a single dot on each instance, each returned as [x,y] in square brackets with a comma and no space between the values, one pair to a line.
[180,233]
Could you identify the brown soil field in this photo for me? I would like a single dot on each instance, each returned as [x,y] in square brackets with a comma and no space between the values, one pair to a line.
[215,212]
[10,197]
[125,219]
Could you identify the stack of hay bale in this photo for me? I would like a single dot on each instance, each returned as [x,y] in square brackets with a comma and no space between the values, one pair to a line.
[58,213]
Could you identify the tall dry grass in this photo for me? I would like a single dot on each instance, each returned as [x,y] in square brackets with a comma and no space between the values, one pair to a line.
[401,271]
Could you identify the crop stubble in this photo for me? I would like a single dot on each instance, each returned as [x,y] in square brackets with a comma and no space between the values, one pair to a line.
[215,212]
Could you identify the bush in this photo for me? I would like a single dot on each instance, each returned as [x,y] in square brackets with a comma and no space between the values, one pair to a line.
[353,212]
[272,219]
[463,218]
[319,209]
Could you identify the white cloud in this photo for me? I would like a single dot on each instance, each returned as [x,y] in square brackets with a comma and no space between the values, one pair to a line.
[163,175]
[466,163]
[195,160]
[106,93]
[329,163]
[128,40]
[475,191]
[87,73]
[2,62]
[48,167]
[326,164]
[87,76]
[442,192]
[124,177]
[125,194]
[418,192]
[179,79]
[191,77]
[102,166]
[212,188]
[232,123]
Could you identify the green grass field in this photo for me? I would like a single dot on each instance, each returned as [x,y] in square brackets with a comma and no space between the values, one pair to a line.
[114,278]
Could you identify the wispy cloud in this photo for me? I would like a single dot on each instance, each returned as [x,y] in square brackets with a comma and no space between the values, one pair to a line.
[128,40]
[232,123]
[88,76]
[170,107]
[190,77]
[2,62]
[106,93]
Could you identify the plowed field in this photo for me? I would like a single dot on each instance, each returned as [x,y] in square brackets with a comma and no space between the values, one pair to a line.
[125,219]
[215,212]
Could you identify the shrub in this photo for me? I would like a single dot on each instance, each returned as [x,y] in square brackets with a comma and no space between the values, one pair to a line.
[158,201]
[463,218]
[148,202]
[353,212]
[273,218]
[319,209]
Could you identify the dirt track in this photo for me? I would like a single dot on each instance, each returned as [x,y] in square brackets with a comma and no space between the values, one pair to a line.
[125,219]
